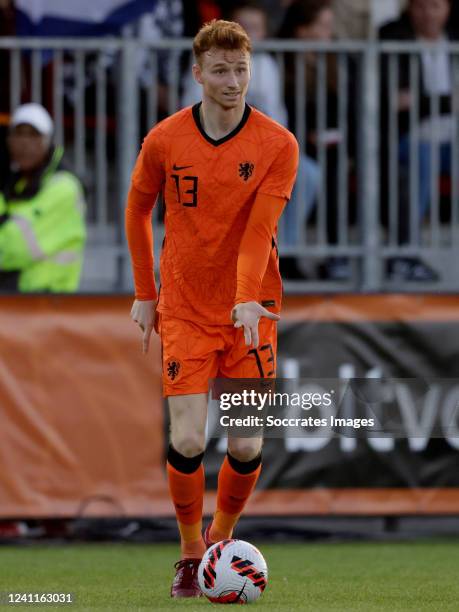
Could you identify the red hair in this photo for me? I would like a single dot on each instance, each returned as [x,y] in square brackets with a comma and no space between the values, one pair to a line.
[221,35]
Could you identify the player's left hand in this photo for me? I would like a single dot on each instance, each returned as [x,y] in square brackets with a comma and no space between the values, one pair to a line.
[247,315]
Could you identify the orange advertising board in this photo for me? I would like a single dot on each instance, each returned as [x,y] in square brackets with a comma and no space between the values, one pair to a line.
[83,416]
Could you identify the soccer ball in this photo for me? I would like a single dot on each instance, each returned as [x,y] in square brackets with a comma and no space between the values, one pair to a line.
[233,571]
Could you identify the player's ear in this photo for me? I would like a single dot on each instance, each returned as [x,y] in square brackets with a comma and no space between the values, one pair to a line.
[197,73]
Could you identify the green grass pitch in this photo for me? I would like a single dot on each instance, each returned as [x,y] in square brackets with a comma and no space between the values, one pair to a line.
[342,577]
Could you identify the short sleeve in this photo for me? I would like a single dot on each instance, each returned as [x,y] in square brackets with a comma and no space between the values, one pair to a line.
[148,173]
[280,178]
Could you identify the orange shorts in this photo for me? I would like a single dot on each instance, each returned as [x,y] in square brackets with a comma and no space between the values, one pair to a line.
[193,353]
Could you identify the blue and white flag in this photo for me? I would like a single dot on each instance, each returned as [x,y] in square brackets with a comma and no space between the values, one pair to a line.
[77,17]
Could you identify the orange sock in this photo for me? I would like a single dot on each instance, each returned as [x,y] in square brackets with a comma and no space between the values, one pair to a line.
[233,492]
[187,492]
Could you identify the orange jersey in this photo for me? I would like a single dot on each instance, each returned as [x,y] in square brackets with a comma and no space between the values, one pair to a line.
[209,189]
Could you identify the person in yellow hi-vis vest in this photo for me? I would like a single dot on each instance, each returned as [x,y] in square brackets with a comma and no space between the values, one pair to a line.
[42,226]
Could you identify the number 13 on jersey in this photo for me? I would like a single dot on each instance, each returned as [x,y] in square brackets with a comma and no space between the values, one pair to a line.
[187,189]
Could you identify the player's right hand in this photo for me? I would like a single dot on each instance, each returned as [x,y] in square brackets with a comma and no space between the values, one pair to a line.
[143,313]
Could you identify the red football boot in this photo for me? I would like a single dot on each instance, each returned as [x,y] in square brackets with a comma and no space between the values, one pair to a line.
[185,582]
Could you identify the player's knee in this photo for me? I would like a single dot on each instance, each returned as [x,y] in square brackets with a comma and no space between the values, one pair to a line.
[189,445]
[245,450]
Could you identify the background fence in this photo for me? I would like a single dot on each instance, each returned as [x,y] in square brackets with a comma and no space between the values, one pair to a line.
[383,190]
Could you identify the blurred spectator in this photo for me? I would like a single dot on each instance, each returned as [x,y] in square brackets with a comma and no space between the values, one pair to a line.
[425,21]
[313,20]
[42,230]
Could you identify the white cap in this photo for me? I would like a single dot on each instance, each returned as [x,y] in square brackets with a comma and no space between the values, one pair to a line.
[35,115]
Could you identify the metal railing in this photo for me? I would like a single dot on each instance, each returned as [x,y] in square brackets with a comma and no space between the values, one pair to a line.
[419,157]
[106,93]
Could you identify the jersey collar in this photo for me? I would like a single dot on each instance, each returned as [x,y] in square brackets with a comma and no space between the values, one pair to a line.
[237,129]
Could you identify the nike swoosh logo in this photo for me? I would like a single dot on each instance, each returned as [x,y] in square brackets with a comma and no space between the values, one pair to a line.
[174,167]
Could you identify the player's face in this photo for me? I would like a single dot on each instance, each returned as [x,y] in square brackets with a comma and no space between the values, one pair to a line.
[224,76]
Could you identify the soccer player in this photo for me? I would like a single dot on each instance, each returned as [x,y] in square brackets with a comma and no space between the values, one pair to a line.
[226,172]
